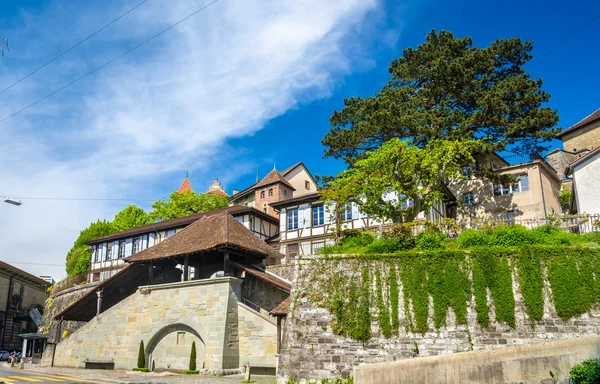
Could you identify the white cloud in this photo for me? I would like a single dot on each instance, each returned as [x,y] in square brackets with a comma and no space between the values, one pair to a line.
[170,105]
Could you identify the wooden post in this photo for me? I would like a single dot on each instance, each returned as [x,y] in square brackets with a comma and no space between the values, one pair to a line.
[278,334]
[151,273]
[186,268]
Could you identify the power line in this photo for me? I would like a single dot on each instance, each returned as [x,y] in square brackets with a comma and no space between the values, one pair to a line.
[73,47]
[565,40]
[109,62]
[77,198]
[22,262]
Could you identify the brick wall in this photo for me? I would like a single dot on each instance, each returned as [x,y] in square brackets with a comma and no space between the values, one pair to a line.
[279,192]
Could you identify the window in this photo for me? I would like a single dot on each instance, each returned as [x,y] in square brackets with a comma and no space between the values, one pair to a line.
[137,245]
[270,192]
[265,208]
[284,192]
[121,249]
[293,219]
[106,274]
[522,185]
[466,170]
[468,198]
[318,215]
[96,276]
[97,253]
[262,194]
[346,212]
[109,247]
[307,185]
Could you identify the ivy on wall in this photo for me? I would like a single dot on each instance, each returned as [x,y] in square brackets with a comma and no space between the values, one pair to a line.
[344,286]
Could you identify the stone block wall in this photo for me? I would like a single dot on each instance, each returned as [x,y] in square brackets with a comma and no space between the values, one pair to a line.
[311,350]
[257,338]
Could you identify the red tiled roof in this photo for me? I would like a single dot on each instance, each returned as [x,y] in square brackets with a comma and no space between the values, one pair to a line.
[589,119]
[185,186]
[212,232]
[282,308]
[268,277]
[273,177]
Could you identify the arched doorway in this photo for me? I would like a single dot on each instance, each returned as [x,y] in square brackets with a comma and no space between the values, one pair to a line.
[170,348]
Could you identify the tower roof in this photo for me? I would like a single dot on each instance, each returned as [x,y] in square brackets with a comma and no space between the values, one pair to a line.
[185,186]
[273,177]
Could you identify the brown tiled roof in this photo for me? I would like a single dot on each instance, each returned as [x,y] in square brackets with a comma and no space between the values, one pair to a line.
[185,186]
[584,157]
[273,177]
[211,232]
[281,309]
[217,192]
[12,270]
[268,277]
[589,119]
[234,210]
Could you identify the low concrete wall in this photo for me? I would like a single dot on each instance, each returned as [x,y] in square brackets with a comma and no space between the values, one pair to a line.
[523,364]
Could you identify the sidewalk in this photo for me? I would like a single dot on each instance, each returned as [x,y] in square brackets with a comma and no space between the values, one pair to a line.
[126,377]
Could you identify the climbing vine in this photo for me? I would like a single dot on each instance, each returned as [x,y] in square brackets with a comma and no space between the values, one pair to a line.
[353,288]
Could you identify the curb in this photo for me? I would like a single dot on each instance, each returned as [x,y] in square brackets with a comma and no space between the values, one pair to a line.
[74,376]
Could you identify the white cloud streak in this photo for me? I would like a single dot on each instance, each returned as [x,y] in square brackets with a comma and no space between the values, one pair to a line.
[170,105]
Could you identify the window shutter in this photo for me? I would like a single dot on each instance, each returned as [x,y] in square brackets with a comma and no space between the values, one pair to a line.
[300,217]
[150,240]
[307,216]
[329,212]
[304,210]
[282,220]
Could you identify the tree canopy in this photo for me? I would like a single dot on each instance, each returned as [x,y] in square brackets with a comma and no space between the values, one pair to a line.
[186,203]
[130,217]
[448,89]
[399,180]
[78,257]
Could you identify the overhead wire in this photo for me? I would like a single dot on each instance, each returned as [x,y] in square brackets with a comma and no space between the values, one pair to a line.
[108,62]
[76,198]
[73,47]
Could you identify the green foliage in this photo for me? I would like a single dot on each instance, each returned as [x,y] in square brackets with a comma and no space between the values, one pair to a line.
[292,380]
[384,245]
[351,242]
[186,203]
[414,282]
[363,321]
[394,299]
[491,270]
[130,217]
[449,89]
[428,241]
[78,258]
[141,369]
[586,372]
[193,357]
[413,173]
[337,380]
[383,312]
[191,372]
[531,282]
[472,238]
[565,199]
[141,363]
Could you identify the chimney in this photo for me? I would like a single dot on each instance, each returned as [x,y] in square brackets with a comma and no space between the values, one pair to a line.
[235,191]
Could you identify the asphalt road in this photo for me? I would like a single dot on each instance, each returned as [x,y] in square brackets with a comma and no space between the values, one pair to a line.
[15,375]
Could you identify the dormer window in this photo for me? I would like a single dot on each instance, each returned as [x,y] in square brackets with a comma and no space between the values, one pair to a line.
[284,192]
[270,192]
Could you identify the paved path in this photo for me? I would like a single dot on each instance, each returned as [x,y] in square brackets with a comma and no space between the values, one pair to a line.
[16,375]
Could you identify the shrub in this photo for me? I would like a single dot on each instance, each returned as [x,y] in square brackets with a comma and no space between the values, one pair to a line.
[512,236]
[427,241]
[385,245]
[141,369]
[141,363]
[193,357]
[191,372]
[473,238]
[586,372]
[402,233]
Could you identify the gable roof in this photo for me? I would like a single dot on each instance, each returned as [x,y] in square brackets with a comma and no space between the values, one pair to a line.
[587,120]
[273,177]
[211,232]
[283,174]
[578,161]
[234,210]
[282,308]
[185,186]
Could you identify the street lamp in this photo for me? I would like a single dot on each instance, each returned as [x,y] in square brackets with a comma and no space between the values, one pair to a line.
[8,200]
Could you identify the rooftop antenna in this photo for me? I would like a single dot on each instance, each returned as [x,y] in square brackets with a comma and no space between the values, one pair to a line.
[186,174]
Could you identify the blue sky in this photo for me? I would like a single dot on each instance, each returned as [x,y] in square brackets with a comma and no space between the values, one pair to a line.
[241,86]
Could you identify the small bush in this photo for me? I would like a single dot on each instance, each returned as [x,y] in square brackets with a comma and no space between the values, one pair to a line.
[586,372]
[403,233]
[473,238]
[191,372]
[141,363]
[141,369]
[428,241]
[512,236]
[385,245]
[193,357]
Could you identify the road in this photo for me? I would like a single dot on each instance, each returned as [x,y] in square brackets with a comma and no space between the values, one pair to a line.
[15,375]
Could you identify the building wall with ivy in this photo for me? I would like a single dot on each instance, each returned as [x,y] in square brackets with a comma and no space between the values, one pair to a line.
[351,310]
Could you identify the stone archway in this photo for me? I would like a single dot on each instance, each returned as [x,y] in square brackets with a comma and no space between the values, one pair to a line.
[170,348]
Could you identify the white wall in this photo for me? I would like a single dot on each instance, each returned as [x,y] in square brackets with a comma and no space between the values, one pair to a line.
[587,185]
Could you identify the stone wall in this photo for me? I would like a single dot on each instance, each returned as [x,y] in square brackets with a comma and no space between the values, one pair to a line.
[207,311]
[284,271]
[311,350]
[519,364]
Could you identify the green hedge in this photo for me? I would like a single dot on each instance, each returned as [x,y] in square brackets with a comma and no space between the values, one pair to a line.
[449,279]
